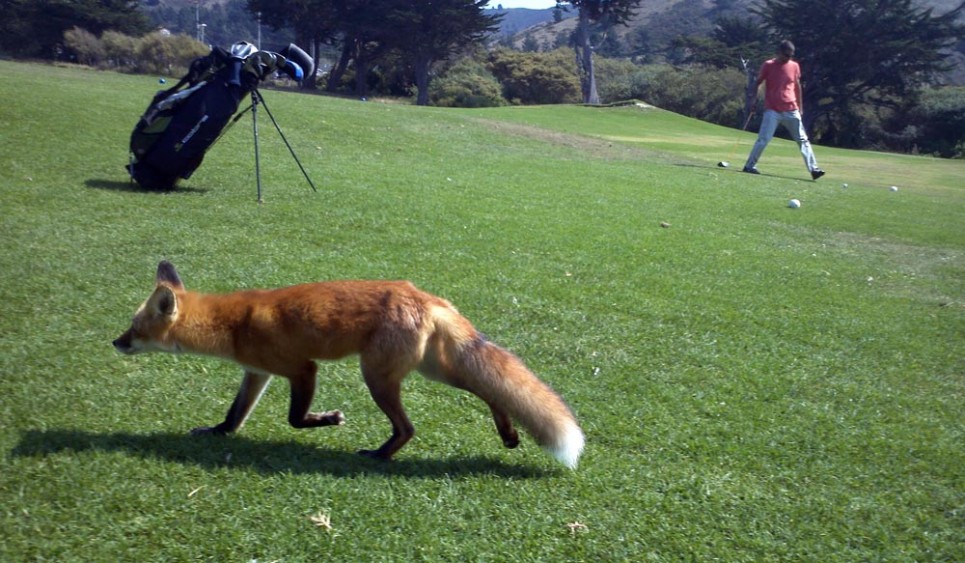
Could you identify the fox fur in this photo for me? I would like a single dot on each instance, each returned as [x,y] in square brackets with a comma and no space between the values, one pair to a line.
[393,327]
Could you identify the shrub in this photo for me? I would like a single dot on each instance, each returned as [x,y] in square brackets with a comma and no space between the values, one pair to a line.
[157,52]
[620,79]
[702,92]
[161,53]
[121,50]
[86,48]
[536,78]
[467,83]
[942,117]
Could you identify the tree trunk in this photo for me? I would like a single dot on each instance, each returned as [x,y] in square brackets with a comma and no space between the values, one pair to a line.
[335,76]
[309,82]
[422,65]
[584,60]
[361,70]
[812,111]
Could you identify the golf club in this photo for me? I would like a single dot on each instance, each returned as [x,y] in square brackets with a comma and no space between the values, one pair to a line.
[725,163]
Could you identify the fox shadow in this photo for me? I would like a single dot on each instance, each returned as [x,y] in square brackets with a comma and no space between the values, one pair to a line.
[267,457]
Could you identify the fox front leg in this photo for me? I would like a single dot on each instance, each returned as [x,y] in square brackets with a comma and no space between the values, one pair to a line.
[302,393]
[253,385]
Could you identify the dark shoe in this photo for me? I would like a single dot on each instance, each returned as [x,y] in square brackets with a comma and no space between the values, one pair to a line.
[753,170]
[816,173]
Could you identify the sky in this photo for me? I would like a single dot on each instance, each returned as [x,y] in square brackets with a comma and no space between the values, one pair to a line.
[532,4]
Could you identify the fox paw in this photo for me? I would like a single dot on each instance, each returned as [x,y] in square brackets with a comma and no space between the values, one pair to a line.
[374,454]
[336,417]
[328,418]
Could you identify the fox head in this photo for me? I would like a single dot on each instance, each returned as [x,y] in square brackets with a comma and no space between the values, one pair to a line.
[150,328]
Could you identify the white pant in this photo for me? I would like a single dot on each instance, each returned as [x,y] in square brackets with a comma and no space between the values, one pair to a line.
[791,120]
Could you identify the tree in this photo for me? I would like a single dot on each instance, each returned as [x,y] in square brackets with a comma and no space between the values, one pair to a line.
[733,40]
[314,21]
[605,13]
[35,28]
[427,32]
[857,52]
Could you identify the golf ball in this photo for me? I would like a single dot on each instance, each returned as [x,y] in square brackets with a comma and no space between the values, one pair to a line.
[161,81]
[893,188]
[794,204]
[844,185]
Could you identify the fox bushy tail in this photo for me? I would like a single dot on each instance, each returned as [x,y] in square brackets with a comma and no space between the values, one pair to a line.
[502,380]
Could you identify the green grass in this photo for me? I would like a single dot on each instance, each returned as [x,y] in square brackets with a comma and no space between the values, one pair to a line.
[755,382]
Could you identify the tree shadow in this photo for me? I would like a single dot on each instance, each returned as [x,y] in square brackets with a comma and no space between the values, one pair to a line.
[268,457]
[130,186]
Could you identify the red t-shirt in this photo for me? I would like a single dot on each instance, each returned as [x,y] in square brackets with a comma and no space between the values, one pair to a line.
[780,90]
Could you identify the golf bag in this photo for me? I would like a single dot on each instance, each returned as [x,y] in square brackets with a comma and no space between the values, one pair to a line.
[181,123]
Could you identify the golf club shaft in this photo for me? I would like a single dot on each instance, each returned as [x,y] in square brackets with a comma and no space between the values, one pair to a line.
[748,120]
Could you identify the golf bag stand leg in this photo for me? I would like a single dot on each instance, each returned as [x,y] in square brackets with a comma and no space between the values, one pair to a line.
[255,99]
[256,95]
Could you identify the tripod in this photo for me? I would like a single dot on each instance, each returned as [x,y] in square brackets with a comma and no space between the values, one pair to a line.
[257,100]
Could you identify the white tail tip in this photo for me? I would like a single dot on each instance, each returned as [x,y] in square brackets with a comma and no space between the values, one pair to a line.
[569,447]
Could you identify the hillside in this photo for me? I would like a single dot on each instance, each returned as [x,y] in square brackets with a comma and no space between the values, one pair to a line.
[516,20]
[227,19]
[655,21]
[680,16]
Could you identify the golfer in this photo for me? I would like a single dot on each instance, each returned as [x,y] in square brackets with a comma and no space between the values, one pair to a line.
[783,104]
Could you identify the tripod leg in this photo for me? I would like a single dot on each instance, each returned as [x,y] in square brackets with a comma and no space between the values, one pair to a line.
[283,138]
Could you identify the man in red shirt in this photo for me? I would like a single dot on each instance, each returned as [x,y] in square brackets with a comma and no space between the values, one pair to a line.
[783,104]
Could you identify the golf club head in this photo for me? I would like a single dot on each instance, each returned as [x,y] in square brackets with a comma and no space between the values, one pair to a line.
[299,57]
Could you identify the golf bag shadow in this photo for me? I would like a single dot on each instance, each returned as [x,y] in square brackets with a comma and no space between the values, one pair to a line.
[179,126]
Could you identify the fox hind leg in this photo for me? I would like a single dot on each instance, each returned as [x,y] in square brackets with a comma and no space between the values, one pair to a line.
[436,369]
[253,385]
[504,425]
[386,391]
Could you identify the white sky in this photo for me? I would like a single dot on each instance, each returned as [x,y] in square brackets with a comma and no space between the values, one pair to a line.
[532,4]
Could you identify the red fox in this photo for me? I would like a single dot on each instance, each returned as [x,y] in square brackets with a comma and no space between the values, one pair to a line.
[393,327]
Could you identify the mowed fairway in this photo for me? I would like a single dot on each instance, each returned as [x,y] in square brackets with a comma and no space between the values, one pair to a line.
[755,383]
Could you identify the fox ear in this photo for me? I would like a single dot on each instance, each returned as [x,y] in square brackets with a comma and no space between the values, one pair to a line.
[164,302]
[167,274]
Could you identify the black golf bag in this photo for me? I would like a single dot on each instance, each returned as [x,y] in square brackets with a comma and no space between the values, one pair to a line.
[171,138]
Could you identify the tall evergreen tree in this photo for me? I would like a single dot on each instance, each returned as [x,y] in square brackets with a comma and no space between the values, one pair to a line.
[426,32]
[35,28]
[606,13]
[855,52]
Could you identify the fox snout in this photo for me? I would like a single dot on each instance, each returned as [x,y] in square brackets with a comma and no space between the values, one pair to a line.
[124,343]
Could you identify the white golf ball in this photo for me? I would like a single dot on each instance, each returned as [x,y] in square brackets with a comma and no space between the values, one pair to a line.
[794,204]
[893,188]
[844,185]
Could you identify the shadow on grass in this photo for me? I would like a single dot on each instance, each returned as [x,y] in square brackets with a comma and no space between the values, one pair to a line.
[738,169]
[226,452]
[129,186]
